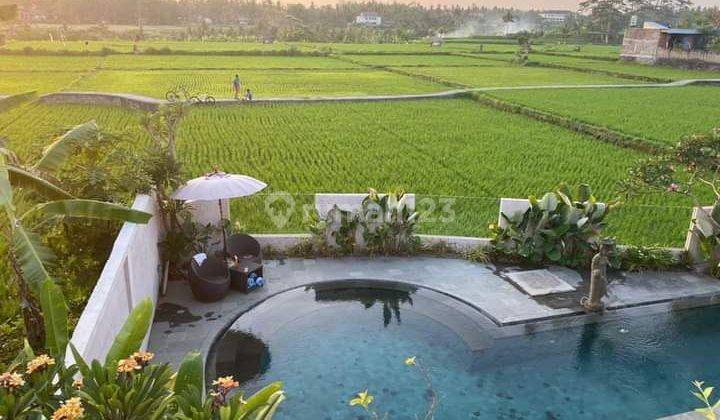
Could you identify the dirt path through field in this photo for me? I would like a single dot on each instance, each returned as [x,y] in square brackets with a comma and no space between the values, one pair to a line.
[144,102]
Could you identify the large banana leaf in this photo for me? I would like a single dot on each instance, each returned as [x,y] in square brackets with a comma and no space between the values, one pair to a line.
[263,404]
[55,315]
[190,376]
[58,151]
[32,256]
[22,178]
[5,187]
[132,334]
[90,209]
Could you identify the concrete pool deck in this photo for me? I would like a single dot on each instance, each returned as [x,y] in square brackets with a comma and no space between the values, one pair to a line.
[183,324]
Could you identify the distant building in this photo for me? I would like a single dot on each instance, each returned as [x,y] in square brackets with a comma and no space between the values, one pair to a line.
[634,21]
[555,17]
[368,19]
[655,42]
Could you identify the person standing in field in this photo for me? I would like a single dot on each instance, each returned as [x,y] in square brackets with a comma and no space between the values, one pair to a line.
[236,86]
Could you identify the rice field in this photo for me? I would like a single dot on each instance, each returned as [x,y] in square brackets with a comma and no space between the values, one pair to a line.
[31,127]
[263,83]
[662,114]
[458,156]
[661,72]
[41,82]
[452,152]
[510,75]
[422,47]
[398,60]
[586,50]
[218,62]
[19,63]
[127,46]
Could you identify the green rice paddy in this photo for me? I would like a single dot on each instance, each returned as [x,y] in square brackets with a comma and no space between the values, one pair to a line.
[459,156]
[665,114]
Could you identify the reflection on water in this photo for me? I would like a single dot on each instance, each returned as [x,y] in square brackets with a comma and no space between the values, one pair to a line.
[327,347]
[241,355]
[390,299]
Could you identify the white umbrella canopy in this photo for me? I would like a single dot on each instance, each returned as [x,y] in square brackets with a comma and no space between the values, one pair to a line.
[219,186]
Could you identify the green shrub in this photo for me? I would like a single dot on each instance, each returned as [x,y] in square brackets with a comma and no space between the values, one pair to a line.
[388,224]
[556,228]
[641,258]
[125,386]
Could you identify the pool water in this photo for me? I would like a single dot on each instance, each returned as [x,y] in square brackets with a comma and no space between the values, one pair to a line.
[327,343]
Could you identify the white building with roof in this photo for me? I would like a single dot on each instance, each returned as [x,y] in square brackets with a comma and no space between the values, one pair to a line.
[369,19]
[555,17]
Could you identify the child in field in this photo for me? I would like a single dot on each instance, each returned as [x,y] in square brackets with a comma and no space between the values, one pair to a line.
[236,86]
[248,95]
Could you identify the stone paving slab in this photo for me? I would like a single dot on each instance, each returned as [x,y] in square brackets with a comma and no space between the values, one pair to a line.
[648,287]
[539,282]
[183,324]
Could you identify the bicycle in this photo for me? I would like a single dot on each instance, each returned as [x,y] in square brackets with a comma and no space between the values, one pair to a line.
[181,94]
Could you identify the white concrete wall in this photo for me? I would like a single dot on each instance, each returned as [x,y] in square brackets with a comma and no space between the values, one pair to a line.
[131,274]
[283,242]
[510,207]
[208,212]
[692,240]
[349,202]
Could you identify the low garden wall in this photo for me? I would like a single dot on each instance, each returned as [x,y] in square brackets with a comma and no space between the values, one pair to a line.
[131,274]
[286,242]
[7,102]
[94,98]
[134,272]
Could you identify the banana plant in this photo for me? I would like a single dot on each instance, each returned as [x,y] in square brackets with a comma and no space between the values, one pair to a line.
[388,223]
[557,228]
[127,385]
[29,258]
[194,404]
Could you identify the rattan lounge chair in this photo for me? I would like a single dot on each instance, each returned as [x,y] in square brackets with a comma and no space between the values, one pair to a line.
[210,281]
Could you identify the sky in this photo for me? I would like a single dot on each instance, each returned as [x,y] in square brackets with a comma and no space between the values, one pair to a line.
[518,4]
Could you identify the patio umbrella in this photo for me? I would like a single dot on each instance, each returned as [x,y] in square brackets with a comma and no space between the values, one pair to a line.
[218,185]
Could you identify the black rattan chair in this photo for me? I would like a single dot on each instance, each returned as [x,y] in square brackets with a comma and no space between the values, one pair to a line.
[244,247]
[210,281]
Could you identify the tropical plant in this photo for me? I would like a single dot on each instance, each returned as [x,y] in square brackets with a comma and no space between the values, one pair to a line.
[508,18]
[185,239]
[704,394]
[641,258]
[692,169]
[364,399]
[29,257]
[125,386]
[557,228]
[388,223]
[335,233]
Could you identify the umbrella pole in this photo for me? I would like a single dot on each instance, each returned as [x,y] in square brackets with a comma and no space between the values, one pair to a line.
[222,225]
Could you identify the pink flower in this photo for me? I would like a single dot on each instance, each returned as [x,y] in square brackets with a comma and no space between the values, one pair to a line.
[673,187]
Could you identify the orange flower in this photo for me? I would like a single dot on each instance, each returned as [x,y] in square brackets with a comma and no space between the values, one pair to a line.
[39,364]
[72,409]
[9,380]
[226,383]
[128,365]
[143,357]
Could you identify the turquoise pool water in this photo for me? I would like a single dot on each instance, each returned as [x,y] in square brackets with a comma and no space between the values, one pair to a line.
[329,343]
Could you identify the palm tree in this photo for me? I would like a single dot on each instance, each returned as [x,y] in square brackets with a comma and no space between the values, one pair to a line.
[28,257]
[508,18]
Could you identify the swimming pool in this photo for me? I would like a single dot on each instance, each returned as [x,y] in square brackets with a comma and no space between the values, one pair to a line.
[327,342]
